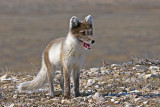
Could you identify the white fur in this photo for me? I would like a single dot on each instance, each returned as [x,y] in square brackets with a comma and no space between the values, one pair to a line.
[54,54]
[73,22]
[89,19]
[73,54]
[37,82]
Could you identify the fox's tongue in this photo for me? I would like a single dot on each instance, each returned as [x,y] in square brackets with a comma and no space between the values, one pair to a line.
[86,46]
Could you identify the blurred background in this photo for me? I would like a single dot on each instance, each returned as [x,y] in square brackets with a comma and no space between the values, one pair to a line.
[123,29]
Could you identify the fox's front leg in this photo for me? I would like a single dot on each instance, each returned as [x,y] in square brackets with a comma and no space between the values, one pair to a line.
[66,77]
[76,74]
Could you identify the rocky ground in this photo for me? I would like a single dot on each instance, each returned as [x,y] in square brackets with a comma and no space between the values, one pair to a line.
[132,84]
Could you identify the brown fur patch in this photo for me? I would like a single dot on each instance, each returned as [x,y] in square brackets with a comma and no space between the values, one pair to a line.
[81,26]
[83,31]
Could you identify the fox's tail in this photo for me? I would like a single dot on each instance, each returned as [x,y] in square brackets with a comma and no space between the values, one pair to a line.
[37,82]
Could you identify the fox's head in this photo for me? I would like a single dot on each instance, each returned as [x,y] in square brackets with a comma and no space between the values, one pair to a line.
[82,30]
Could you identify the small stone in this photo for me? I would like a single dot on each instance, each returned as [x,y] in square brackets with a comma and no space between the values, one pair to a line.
[155,75]
[98,97]
[94,70]
[116,102]
[97,86]
[49,101]
[65,101]
[131,80]
[128,105]
[112,100]
[114,65]
[154,68]
[145,102]
[147,76]
[57,93]
[15,96]
[58,72]
[56,100]
[91,100]
[131,89]
[139,75]
[90,82]
[4,77]
[12,105]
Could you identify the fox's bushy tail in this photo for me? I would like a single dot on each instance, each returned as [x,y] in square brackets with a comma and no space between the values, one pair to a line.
[37,82]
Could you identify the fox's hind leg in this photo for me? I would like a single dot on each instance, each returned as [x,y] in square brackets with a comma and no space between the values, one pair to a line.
[50,75]
[62,80]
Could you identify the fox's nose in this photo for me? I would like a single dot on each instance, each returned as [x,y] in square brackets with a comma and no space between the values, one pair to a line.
[92,41]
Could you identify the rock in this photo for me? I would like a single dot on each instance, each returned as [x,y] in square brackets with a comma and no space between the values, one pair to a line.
[65,101]
[131,89]
[57,93]
[154,75]
[115,66]
[97,86]
[131,80]
[15,96]
[112,100]
[147,76]
[116,102]
[128,105]
[58,72]
[56,100]
[154,68]
[91,100]
[2,78]
[145,102]
[12,105]
[98,97]
[105,72]
[49,102]
[94,70]
[90,82]
[139,75]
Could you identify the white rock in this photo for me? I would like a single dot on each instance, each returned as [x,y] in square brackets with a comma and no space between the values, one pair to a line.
[58,72]
[139,75]
[65,101]
[114,65]
[131,80]
[15,96]
[145,102]
[154,75]
[4,77]
[105,71]
[94,70]
[112,100]
[12,105]
[116,102]
[97,86]
[98,97]
[154,68]
[91,82]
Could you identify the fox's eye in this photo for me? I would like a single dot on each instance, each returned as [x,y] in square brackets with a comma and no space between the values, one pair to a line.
[82,32]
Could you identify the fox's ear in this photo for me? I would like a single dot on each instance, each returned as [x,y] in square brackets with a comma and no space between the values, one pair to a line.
[74,22]
[89,19]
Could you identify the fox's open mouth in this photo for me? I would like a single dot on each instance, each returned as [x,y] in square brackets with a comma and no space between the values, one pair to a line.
[87,46]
